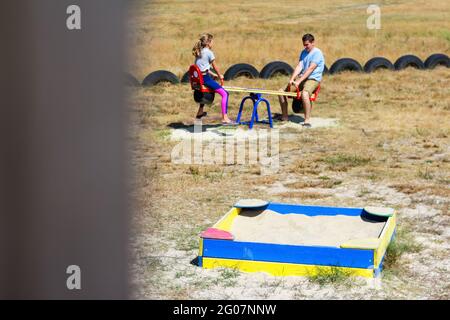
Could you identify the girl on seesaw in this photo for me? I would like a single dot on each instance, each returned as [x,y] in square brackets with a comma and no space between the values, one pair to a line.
[204,59]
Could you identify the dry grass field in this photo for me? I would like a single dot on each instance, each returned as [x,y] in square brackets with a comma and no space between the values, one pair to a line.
[390,147]
[258,32]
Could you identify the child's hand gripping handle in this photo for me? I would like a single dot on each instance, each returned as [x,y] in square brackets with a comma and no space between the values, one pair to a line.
[218,77]
[288,89]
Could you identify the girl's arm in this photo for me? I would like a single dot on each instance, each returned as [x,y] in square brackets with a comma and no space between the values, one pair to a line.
[219,75]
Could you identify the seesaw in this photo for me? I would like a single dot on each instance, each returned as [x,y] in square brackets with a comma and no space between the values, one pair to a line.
[262,91]
[204,95]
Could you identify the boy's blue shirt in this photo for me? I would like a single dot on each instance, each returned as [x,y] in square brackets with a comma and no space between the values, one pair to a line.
[315,56]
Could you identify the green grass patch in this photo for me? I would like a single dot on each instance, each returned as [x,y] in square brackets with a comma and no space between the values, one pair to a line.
[187,239]
[229,273]
[214,176]
[446,35]
[342,162]
[332,275]
[187,243]
[425,174]
[184,274]
[444,181]
[228,277]
[402,243]
[331,183]
[162,134]
[195,171]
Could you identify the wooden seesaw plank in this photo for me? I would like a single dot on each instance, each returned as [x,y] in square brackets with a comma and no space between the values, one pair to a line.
[264,91]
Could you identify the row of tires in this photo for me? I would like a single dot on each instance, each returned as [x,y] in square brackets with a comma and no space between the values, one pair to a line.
[282,68]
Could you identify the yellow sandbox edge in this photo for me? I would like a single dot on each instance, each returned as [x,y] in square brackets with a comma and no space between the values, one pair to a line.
[282,269]
[385,239]
[226,221]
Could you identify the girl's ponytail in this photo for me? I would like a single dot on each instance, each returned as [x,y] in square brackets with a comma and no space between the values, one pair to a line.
[196,50]
[201,43]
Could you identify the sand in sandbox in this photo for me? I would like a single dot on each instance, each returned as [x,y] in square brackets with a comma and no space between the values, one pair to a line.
[268,226]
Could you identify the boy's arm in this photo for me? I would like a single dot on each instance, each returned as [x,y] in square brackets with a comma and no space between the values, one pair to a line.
[316,60]
[296,72]
[307,73]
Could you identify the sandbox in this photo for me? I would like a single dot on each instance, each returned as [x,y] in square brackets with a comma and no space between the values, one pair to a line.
[291,239]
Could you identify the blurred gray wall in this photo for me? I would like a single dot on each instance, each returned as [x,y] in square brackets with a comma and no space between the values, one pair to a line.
[63,154]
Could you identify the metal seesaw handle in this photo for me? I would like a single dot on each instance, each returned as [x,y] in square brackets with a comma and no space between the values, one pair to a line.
[288,89]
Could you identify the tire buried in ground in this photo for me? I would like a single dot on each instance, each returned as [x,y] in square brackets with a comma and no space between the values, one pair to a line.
[325,70]
[160,76]
[408,60]
[345,64]
[274,68]
[185,77]
[378,63]
[437,59]
[131,81]
[239,70]
[297,106]
[203,97]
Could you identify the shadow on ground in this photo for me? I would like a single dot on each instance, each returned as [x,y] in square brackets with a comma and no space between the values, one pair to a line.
[190,127]
[292,118]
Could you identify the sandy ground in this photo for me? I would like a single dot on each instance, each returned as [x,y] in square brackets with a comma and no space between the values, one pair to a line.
[421,274]
[164,265]
[268,226]
[210,132]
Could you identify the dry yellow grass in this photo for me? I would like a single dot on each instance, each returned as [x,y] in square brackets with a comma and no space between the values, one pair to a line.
[391,146]
[162,33]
